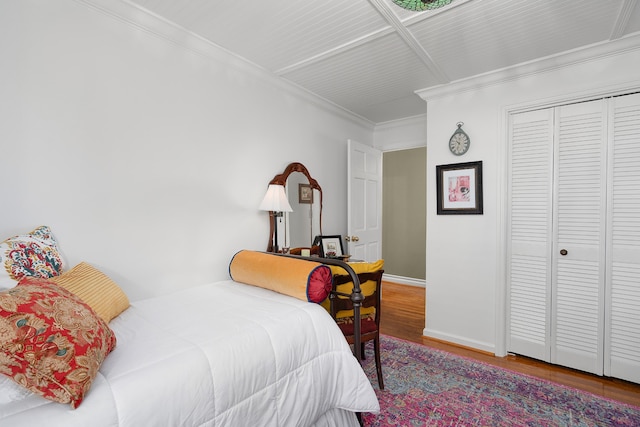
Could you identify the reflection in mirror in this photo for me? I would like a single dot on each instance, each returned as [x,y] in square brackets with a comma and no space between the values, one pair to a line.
[303,223]
[297,229]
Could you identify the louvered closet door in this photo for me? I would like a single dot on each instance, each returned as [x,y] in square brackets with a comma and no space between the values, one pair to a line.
[577,313]
[622,353]
[530,231]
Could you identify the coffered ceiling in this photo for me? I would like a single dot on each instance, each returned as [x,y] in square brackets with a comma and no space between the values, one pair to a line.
[370,56]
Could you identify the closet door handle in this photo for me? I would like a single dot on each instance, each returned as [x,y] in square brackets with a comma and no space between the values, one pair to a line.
[563,252]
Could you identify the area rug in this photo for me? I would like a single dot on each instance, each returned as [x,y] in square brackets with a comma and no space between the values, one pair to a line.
[428,387]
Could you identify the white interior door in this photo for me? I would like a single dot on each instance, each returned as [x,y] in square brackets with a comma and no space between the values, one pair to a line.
[577,331]
[574,293]
[530,233]
[557,235]
[622,346]
[364,206]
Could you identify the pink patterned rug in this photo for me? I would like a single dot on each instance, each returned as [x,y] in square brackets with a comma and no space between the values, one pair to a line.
[428,387]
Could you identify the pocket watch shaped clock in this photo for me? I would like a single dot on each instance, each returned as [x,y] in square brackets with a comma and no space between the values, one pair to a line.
[459,142]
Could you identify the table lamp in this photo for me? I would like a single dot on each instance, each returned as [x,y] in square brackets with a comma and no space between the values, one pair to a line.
[276,202]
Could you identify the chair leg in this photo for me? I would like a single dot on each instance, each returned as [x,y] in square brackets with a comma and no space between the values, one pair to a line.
[362,351]
[376,349]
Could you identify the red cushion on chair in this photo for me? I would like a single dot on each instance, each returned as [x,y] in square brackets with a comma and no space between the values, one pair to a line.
[346,325]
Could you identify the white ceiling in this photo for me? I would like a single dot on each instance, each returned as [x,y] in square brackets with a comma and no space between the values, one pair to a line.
[370,56]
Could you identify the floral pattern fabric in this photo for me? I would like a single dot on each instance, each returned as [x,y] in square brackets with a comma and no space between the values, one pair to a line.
[34,254]
[429,387]
[51,342]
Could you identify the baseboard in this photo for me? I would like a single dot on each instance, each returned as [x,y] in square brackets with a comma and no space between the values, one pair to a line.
[421,283]
[460,341]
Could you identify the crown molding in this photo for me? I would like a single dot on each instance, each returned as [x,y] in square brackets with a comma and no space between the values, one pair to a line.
[157,26]
[587,54]
[401,134]
[418,120]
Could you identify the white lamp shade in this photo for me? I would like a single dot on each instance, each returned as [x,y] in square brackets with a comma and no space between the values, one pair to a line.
[275,200]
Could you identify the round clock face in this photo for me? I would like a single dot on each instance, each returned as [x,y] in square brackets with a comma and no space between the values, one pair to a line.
[459,143]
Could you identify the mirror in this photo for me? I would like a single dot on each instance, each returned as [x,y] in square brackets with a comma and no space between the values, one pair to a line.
[303,224]
[298,228]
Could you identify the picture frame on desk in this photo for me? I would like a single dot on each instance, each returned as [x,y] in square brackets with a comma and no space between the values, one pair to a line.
[331,247]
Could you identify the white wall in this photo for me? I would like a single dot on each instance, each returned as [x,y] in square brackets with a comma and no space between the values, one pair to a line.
[466,254]
[145,149]
[403,134]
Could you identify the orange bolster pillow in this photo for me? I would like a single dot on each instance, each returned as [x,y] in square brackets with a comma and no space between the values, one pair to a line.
[305,280]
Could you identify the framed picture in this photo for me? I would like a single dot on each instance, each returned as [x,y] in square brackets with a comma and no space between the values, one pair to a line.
[331,246]
[305,194]
[459,188]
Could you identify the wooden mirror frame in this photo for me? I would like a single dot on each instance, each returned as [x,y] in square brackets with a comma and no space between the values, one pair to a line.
[281,179]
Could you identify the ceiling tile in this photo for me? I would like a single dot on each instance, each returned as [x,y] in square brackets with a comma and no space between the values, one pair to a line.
[384,68]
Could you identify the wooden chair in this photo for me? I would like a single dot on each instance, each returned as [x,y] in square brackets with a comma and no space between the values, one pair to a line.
[370,324]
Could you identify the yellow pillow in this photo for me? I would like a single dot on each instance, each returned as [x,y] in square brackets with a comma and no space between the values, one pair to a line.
[95,288]
[367,287]
[308,281]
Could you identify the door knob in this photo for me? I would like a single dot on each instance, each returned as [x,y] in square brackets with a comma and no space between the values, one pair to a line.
[563,252]
[352,238]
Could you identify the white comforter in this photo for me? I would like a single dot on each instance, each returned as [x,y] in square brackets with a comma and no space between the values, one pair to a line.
[224,354]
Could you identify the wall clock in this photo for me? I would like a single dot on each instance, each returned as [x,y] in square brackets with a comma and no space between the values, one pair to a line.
[459,142]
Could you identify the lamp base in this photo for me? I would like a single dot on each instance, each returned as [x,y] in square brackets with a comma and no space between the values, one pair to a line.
[275,231]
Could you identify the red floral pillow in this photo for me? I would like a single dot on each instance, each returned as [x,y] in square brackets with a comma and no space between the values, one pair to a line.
[51,342]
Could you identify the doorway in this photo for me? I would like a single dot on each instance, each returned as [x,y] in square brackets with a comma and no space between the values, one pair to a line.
[404,204]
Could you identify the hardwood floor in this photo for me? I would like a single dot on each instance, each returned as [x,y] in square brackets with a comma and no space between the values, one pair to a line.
[403,312]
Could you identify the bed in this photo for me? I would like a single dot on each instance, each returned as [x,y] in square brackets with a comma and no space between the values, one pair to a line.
[221,354]
[224,354]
